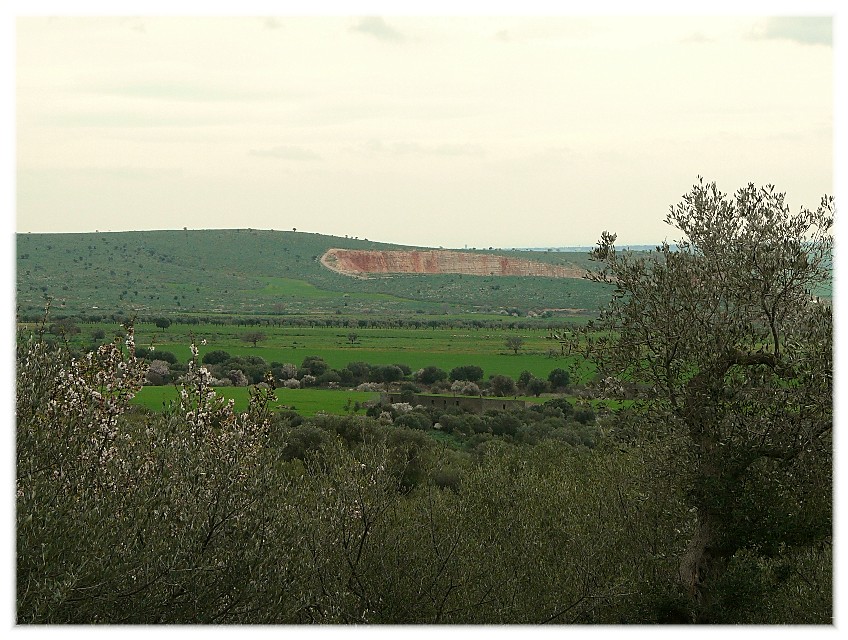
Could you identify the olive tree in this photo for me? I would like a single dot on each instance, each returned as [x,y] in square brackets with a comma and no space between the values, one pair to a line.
[515,343]
[253,337]
[723,336]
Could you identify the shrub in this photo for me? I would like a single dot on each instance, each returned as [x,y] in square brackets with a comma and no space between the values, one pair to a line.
[584,414]
[238,378]
[165,356]
[314,365]
[559,378]
[359,370]
[537,386]
[385,373]
[429,375]
[465,388]
[328,377]
[560,404]
[215,357]
[413,420]
[472,373]
[158,373]
[501,386]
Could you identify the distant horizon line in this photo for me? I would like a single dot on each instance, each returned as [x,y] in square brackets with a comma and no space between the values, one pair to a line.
[465,247]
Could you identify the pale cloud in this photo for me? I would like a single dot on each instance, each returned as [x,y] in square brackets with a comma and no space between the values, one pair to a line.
[130,119]
[286,153]
[698,38]
[408,148]
[578,124]
[809,30]
[402,148]
[377,27]
[178,91]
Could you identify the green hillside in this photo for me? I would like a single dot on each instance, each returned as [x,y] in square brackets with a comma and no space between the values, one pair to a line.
[248,271]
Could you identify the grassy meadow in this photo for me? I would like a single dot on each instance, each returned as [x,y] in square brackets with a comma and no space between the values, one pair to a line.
[307,402]
[417,348]
[259,272]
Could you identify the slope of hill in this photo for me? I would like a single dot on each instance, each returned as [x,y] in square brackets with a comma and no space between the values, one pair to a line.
[247,271]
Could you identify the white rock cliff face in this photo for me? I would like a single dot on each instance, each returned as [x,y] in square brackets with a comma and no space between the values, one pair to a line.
[363,263]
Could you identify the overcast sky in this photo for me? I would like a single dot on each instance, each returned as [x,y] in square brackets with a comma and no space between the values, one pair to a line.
[434,131]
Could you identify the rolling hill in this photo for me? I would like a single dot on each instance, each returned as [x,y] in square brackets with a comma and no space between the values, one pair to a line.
[249,271]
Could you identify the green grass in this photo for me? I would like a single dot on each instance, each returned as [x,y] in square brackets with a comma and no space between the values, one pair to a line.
[256,272]
[416,348]
[306,402]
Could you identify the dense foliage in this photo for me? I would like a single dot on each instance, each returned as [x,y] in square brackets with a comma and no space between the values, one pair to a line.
[708,500]
[733,354]
[203,515]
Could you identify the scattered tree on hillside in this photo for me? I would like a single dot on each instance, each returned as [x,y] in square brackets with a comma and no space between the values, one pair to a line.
[314,365]
[163,323]
[66,327]
[559,378]
[537,386]
[215,357]
[501,385]
[430,374]
[720,334]
[469,372]
[253,337]
[515,343]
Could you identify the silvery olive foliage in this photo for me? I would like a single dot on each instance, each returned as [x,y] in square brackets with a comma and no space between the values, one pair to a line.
[731,351]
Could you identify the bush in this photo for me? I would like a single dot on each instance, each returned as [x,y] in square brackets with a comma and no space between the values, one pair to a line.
[302,440]
[158,373]
[429,375]
[359,371]
[559,378]
[561,404]
[584,414]
[413,420]
[386,373]
[329,377]
[537,386]
[470,372]
[501,386]
[165,356]
[465,388]
[314,365]
[215,357]
[238,378]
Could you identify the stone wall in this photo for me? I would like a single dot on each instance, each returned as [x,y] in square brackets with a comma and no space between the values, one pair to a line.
[474,404]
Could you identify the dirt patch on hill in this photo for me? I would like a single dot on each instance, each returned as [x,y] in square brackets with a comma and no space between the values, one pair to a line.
[362,264]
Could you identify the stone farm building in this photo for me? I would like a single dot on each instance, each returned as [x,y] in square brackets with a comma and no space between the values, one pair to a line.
[475,404]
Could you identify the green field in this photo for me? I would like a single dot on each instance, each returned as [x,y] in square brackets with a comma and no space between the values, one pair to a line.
[416,348]
[307,402]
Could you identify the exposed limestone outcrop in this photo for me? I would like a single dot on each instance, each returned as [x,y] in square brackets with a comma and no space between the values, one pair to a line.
[361,263]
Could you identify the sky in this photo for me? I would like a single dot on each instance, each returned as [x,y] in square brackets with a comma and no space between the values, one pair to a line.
[441,130]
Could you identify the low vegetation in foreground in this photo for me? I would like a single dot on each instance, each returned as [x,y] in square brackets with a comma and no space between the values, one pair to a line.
[704,498]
